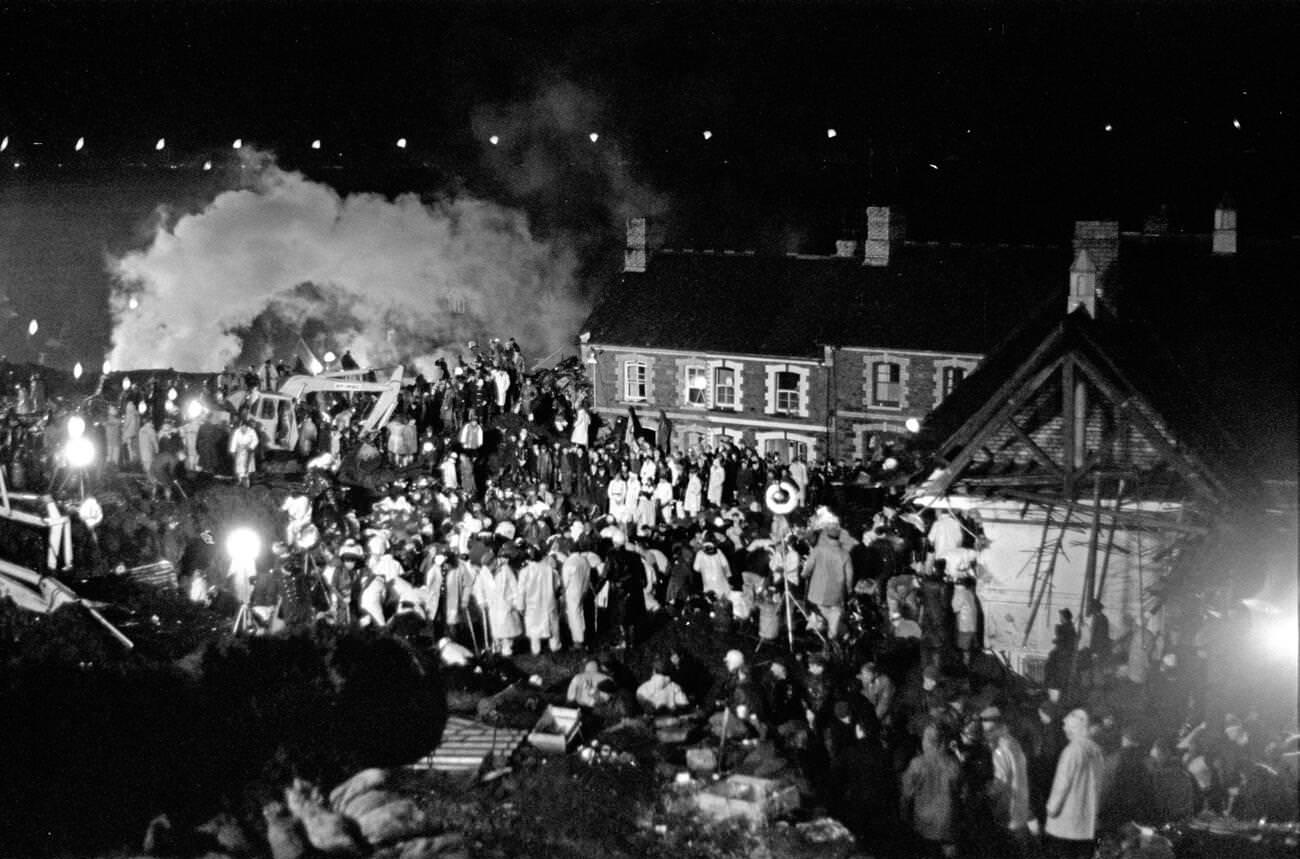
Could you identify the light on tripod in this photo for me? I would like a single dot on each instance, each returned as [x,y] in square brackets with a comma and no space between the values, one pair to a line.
[243,544]
[79,452]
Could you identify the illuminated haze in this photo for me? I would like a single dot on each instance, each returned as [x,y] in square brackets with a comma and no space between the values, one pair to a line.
[389,279]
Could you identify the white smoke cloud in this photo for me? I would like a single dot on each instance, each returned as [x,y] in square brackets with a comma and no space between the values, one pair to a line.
[389,279]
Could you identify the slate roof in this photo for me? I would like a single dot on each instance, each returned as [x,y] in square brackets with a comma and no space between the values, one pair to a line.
[943,298]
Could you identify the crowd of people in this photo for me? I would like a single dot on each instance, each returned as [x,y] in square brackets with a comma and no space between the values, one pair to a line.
[505,515]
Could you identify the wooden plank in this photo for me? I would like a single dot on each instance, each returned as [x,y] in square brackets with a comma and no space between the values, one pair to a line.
[1067,421]
[1133,517]
[1038,453]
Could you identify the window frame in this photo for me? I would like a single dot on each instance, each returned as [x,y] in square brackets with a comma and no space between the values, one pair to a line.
[895,381]
[644,367]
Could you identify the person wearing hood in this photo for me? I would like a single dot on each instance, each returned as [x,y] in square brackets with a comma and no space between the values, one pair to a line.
[660,694]
[535,599]
[714,569]
[1073,802]
[829,573]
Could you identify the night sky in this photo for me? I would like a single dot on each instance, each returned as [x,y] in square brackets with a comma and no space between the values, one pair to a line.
[982,120]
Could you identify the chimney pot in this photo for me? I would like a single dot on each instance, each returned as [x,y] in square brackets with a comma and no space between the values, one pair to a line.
[1083,284]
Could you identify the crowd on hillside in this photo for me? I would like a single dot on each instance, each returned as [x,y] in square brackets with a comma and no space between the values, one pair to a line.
[505,515]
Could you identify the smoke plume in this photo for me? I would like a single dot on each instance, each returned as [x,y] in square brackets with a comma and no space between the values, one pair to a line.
[283,257]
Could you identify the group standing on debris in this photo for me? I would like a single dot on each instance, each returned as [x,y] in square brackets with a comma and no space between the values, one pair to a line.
[507,515]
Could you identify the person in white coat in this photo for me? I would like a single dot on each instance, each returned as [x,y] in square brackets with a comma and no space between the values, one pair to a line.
[575,578]
[535,598]
[1072,805]
[494,591]
[581,427]
[714,570]
[243,442]
[694,498]
[716,477]
[618,490]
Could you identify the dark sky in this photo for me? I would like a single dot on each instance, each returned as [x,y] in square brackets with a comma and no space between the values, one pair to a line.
[983,120]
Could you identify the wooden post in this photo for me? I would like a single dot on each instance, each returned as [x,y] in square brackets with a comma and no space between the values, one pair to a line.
[1067,423]
[1048,576]
[1110,541]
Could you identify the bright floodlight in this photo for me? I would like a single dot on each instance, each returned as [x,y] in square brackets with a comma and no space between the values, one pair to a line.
[33,327]
[494,140]
[142,408]
[80,145]
[126,383]
[4,144]
[1280,636]
[1109,127]
[890,464]
[913,425]
[316,367]
[207,165]
[1236,123]
[194,410]
[593,137]
[171,393]
[80,452]
[76,426]
[831,133]
[161,144]
[699,383]
[132,303]
[315,144]
[330,357]
[401,143]
[77,370]
[243,544]
[107,368]
[238,144]
[708,135]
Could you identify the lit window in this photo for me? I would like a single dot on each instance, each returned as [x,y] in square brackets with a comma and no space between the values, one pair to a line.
[787,392]
[724,387]
[949,379]
[697,386]
[887,388]
[634,381]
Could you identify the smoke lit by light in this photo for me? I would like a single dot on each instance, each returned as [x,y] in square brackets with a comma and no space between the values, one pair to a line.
[282,252]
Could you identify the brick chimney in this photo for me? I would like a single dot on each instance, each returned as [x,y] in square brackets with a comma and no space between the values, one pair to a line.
[885,228]
[642,242]
[1225,227]
[1101,240]
[1083,284]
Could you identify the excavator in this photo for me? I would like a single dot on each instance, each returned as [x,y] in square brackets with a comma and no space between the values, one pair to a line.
[276,414]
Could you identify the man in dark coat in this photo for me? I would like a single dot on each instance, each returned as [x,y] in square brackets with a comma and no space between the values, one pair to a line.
[625,572]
